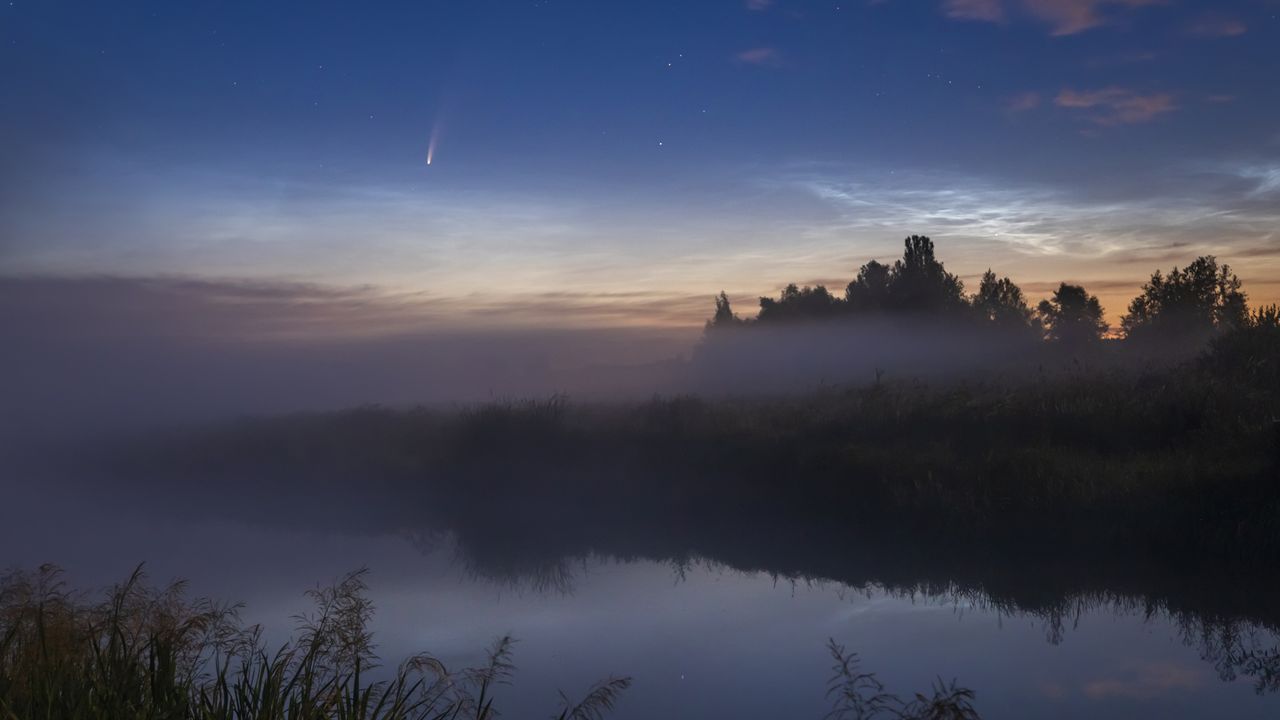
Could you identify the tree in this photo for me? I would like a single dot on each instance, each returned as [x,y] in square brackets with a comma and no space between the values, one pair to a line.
[797,303]
[1187,304]
[1001,302]
[920,283]
[1072,316]
[1250,351]
[724,316]
[869,291]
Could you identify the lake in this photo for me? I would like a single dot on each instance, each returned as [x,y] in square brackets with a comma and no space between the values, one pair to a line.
[704,632]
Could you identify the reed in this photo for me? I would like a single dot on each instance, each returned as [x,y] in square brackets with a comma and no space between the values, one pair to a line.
[150,653]
[147,652]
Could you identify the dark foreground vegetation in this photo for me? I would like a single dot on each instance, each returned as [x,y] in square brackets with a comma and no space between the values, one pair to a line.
[147,652]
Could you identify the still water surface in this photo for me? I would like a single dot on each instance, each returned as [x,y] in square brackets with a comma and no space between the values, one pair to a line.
[699,639]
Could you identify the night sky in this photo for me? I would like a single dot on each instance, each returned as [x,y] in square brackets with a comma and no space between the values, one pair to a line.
[619,162]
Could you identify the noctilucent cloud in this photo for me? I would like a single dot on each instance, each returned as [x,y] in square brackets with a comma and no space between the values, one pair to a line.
[638,156]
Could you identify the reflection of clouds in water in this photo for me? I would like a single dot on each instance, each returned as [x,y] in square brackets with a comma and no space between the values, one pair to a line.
[1052,689]
[1147,681]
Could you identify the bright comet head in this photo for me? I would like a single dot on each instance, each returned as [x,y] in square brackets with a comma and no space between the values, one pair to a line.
[435,139]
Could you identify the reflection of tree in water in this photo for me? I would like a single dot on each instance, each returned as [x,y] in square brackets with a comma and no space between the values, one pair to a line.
[1236,649]
[1238,640]
[1235,646]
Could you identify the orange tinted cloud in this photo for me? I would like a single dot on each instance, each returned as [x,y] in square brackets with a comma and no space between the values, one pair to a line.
[1117,106]
[988,10]
[1217,26]
[759,56]
[1065,17]
[1156,680]
[1023,102]
[1072,16]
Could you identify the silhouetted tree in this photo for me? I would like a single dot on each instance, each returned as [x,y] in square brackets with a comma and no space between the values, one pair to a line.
[1250,351]
[1188,304]
[1001,302]
[1072,316]
[799,304]
[869,291]
[920,283]
[724,316]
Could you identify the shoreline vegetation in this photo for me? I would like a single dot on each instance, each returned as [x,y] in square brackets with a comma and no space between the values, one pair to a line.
[1184,306]
[914,320]
[151,652]
[1171,464]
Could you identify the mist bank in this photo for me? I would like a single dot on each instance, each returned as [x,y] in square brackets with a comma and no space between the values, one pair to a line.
[798,358]
[1170,464]
[96,354]
[92,355]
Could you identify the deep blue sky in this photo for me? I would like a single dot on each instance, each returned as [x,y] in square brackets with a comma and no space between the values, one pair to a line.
[641,154]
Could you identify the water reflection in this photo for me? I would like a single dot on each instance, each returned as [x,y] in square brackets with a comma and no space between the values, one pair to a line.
[684,604]
[1231,618]
[1232,625]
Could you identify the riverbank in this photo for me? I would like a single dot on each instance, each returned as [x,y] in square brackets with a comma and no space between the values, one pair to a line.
[1176,464]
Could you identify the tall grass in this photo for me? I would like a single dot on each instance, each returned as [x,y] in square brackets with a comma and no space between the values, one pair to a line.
[859,695]
[150,653]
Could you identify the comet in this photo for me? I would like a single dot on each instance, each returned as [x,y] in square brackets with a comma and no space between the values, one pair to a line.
[435,140]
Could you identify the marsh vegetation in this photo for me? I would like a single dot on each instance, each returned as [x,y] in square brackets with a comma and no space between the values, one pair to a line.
[142,651]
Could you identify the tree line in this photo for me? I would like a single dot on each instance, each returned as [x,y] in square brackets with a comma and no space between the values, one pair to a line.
[1186,304]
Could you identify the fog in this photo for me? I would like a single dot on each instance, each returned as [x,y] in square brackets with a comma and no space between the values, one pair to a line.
[94,354]
[102,354]
[798,358]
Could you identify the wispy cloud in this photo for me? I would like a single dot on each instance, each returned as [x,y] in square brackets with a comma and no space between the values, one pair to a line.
[1064,17]
[764,56]
[1217,26]
[1045,222]
[1068,17]
[984,10]
[266,310]
[1265,178]
[1117,106]
[1023,102]
[1043,235]
[467,256]
[1029,219]
[759,5]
